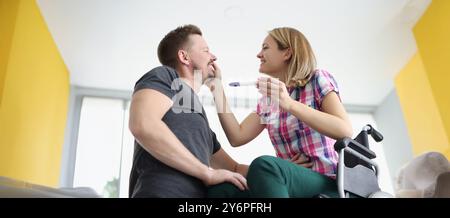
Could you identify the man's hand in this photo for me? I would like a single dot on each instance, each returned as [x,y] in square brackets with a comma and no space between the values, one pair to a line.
[217,176]
[302,160]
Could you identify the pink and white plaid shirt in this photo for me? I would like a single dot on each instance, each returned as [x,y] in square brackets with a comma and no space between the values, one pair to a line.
[291,136]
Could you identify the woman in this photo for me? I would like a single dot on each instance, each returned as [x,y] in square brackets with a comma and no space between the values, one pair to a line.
[303,115]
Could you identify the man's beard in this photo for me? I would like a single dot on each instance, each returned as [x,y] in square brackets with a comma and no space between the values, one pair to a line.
[209,74]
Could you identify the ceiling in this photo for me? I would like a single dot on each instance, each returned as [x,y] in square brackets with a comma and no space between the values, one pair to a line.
[112,43]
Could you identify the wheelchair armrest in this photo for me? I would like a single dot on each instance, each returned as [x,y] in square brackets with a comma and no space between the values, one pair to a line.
[342,143]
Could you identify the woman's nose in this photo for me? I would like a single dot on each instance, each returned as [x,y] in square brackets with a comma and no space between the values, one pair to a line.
[259,55]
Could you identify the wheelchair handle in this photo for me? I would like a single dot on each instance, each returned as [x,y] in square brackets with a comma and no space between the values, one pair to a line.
[374,133]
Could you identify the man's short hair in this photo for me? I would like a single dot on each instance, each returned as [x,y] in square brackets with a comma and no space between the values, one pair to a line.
[175,40]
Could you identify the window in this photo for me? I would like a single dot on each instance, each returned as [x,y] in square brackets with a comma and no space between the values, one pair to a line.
[104,149]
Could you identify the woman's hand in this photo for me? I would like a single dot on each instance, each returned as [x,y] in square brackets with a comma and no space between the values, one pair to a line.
[276,90]
[216,80]
[302,160]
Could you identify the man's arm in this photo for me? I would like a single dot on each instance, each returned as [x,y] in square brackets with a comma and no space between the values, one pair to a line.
[221,160]
[148,106]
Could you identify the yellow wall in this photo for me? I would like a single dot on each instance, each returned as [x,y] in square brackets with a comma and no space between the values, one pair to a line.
[8,13]
[34,103]
[421,114]
[423,85]
[432,33]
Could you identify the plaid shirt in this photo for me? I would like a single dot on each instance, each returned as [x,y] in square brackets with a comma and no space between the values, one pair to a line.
[291,136]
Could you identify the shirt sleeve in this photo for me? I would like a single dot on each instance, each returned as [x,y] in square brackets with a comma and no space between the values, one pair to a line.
[160,79]
[216,144]
[324,83]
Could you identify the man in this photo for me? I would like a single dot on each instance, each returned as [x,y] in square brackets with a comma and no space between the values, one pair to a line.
[176,153]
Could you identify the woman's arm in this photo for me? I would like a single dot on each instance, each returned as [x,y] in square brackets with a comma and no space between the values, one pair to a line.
[237,134]
[221,160]
[332,121]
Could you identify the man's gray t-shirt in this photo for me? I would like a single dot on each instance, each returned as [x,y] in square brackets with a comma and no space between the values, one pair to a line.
[187,120]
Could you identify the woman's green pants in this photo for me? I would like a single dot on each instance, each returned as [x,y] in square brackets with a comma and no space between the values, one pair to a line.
[272,177]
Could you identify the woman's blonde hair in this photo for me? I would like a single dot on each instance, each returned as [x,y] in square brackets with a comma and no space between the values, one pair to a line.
[302,62]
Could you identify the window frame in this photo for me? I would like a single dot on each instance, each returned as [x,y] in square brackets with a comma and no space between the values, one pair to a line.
[77,93]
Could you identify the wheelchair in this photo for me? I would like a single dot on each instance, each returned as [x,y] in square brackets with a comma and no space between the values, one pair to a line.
[357,173]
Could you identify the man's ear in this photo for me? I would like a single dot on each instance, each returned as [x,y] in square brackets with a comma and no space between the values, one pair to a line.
[287,54]
[183,57]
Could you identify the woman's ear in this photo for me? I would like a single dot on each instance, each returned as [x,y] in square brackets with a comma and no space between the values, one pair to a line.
[183,57]
[287,54]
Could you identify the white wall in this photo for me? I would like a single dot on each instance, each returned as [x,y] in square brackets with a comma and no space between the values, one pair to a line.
[358,121]
[391,123]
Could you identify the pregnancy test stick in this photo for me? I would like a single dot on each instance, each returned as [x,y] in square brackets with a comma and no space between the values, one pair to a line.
[237,84]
